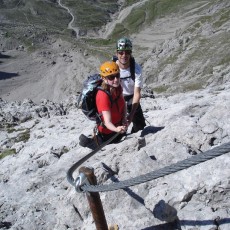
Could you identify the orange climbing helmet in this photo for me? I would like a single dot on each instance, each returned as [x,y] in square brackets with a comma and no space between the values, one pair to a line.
[109,68]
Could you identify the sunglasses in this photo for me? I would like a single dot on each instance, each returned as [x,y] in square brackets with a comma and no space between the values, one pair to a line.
[112,77]
[124,52]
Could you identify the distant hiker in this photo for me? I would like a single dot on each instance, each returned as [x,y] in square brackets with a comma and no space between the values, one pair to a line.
[102,100]
[131,82]
[111,106]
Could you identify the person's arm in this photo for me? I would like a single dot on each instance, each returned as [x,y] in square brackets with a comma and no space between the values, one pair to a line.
[109,125]
[135,102]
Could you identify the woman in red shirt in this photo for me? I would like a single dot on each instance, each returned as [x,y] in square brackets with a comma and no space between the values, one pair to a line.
[111,104]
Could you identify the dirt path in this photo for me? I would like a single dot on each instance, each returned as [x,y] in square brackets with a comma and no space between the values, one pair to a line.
[70,25]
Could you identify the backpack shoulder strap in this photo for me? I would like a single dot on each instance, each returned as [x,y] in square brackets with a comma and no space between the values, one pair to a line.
[110,96]
[107,92]
[132,66]
[114,58]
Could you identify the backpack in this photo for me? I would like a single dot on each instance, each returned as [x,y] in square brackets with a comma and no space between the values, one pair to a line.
[87,99]
[132,66]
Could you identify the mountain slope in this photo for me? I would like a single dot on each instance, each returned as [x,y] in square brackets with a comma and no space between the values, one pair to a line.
[183,49]
[35,193]
[175,42]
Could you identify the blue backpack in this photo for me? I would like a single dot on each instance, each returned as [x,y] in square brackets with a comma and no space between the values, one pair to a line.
[87,99]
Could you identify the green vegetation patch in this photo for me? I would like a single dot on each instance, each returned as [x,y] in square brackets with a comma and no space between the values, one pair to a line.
[224,60]
[194,27]
[65,150]
[193,86]
[103,48]
[91,15]
[24,136]
[7,152]
[119,31]
[11,130]
[38,13]
[146,13]
[135,20]
[31,22]
[161,89]
[129,2]
[224,17]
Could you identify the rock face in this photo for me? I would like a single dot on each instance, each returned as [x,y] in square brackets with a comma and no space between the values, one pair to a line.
[35,193]
[186,104]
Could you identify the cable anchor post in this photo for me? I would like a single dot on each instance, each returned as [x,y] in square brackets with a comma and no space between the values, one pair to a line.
[86,175]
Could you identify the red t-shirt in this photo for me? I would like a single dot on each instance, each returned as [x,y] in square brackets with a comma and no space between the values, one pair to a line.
[117,108]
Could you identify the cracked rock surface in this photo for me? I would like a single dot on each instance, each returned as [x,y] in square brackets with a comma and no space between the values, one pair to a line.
[35,192]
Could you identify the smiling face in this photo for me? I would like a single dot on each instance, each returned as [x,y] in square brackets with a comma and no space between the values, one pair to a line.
[112,80]
[110,73]
[124,58]
[124,52]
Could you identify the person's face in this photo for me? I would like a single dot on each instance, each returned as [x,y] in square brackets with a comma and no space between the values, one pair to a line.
[124,56]
[113,80]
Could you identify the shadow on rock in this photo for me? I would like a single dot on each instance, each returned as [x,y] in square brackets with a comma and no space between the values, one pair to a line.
[4,56]
[150,129]
[164,212]
[176,225]
[167,226]
[115,180]
[4,75]
[217,222]
[5,225]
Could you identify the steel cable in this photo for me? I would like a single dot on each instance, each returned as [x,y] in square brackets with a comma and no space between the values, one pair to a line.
[194,160]
[85,158]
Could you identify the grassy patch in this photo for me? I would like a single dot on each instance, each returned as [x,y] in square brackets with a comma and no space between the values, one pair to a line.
[192,86]
[135,20]
[11,130]
[161,89]
[38,13]
[224,60]
[194,27]
[30,22]
[24,136]
[91,15]
[223,18]
[129,2]
[98,42]
[146,14]
[172,58]
[119,31]
[65,150]
[7,152]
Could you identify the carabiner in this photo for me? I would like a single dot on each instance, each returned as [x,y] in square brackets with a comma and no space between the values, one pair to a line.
[80,181]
